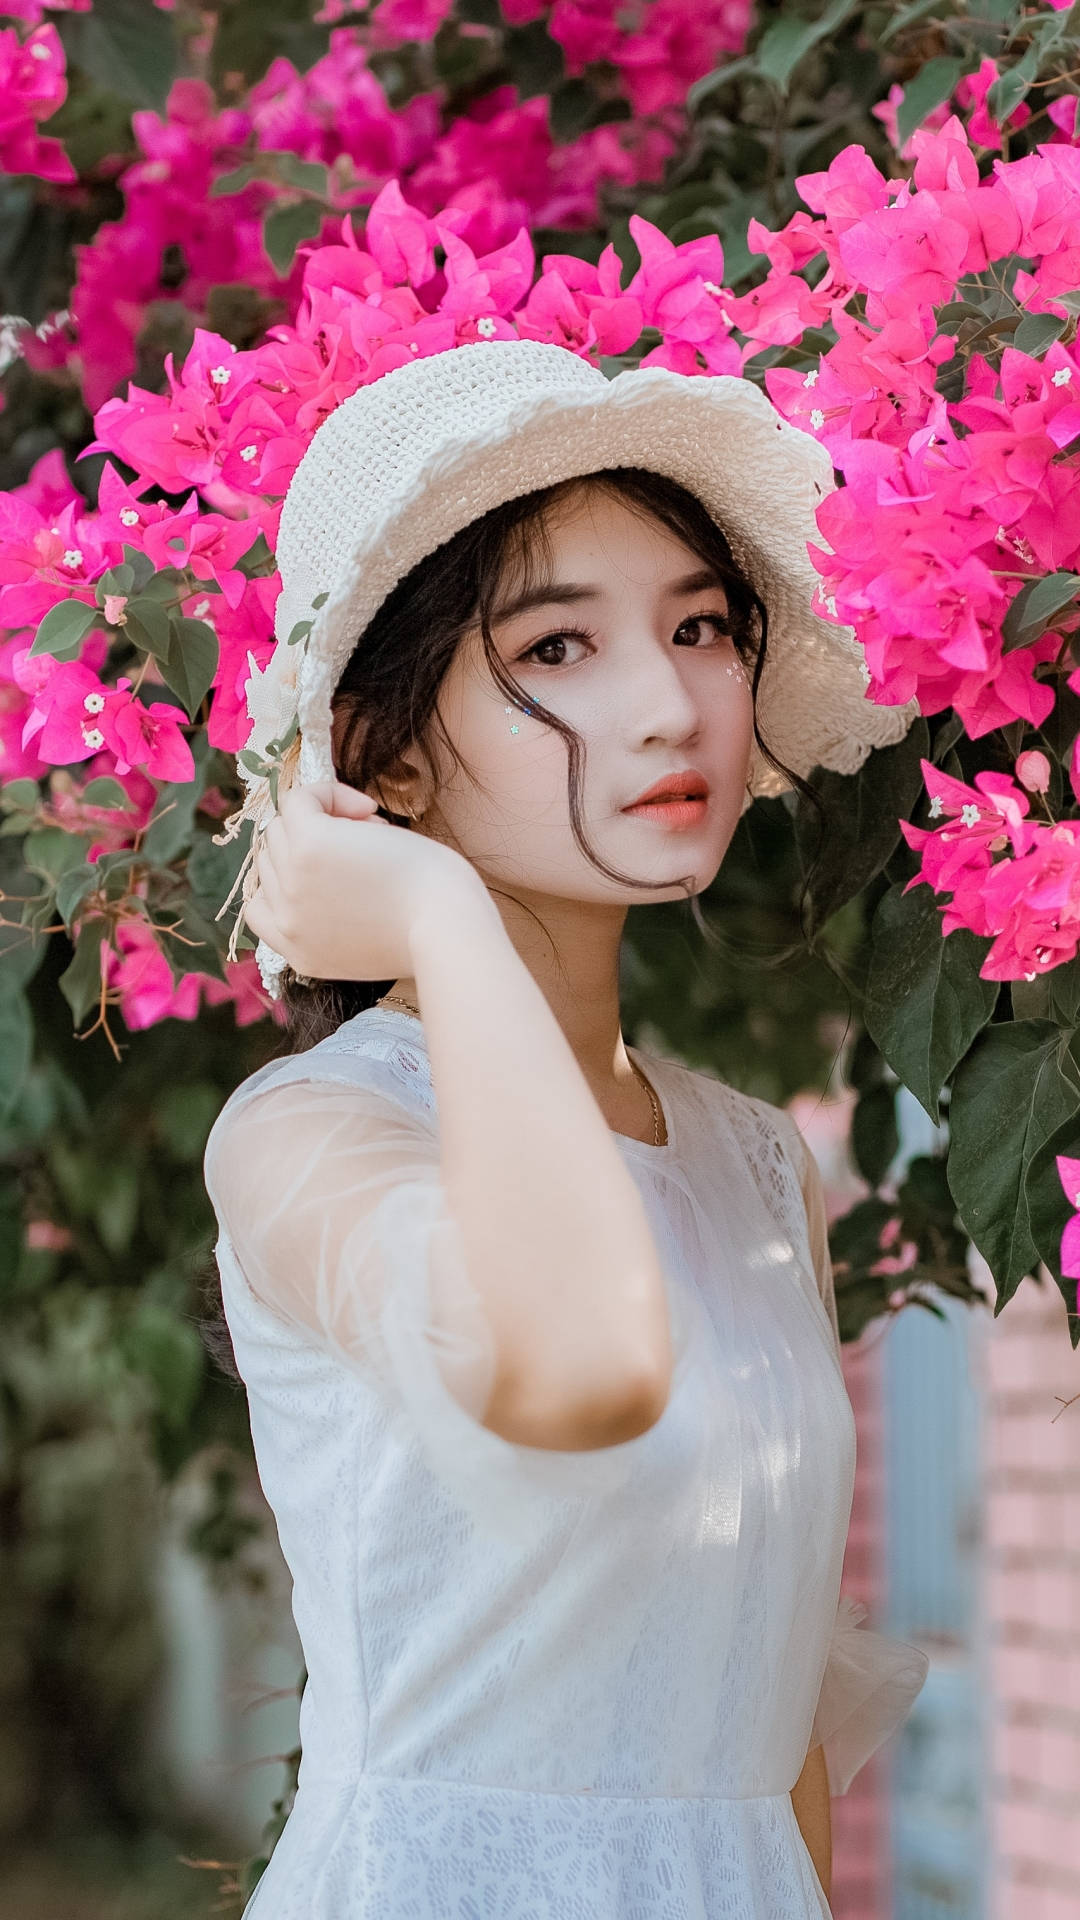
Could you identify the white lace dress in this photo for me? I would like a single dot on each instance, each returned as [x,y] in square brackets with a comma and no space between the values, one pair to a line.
[544,1685]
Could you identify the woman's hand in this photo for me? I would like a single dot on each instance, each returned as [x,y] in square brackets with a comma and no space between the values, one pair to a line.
[339,890]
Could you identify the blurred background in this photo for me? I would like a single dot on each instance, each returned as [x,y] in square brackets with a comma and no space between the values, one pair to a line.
[160,164]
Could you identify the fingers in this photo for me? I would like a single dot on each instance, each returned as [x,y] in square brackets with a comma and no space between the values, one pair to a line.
[326,796]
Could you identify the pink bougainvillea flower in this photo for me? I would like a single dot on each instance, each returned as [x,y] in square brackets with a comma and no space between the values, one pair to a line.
[148,736]
[33,84]
[68,700]
[205,543]
[140,976]
[1069,1175]
[1033,770]
[46,559]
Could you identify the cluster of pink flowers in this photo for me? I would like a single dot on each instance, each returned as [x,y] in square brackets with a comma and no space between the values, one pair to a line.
[950,508]
[496,167]
[54,716]
[33,84]
[1027,903]
[658,48]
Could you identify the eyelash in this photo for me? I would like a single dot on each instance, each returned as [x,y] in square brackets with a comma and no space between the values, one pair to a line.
[720,620]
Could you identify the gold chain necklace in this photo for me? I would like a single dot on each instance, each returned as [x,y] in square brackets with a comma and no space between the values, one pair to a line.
[396,999]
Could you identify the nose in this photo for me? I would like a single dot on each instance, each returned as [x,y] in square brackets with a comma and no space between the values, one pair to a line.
[661,699]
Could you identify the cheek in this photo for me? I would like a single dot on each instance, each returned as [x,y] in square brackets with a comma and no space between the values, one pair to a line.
[520,778]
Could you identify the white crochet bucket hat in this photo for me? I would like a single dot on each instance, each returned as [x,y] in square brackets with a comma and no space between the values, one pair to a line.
[406,462]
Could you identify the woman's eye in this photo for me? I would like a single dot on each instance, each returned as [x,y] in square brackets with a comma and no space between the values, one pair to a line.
[720,621]
[550,640]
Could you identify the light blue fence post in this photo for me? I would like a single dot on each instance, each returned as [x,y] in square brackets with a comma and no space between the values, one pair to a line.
[934,1528]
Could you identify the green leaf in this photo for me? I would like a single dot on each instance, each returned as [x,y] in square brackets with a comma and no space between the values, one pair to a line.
[21,950]
[787,41]
[1033,608]
[951,317]
[116,1204]
[710,83]
[148,626]
[142,568]
[236,179]
[875,1138]
[80,983]
[299,632]
[117,580]
[1016,1087]
[1037,331]
[285,227]
[310,176]
[52,851]
[171,828]
[127,47]
[16,1047]
[106,792]
[925,1001]
[906,17]
[19,796]
[932,85]
[1064,984]
[63,627]
[1011,86]
[1050,1209]
[200,948]
[192,661]
[171,584]
[863,814]
[168,1352]
[72,889]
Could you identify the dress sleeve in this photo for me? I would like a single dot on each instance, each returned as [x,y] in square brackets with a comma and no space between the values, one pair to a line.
[332,1212]
[871,1681]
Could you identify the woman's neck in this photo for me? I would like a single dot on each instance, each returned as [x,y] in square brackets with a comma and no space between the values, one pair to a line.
[571,949]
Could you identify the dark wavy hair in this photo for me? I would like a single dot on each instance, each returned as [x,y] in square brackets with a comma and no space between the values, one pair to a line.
[386,700]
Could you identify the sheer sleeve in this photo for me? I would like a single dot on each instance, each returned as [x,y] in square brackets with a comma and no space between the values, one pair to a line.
[333,1215]
[871,1681]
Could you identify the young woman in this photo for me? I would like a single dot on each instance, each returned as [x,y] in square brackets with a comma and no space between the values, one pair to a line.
[537,1329]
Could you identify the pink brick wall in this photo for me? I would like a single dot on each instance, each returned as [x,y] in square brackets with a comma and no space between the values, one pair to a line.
[861,1872]
[860,1817]
[1032,1599]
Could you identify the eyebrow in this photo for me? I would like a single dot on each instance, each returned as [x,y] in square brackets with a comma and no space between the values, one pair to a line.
[555,593]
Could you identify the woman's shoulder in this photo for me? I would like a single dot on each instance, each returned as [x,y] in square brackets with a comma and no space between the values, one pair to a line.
[361,1053]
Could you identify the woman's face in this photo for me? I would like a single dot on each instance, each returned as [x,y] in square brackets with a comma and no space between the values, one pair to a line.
[650,680]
